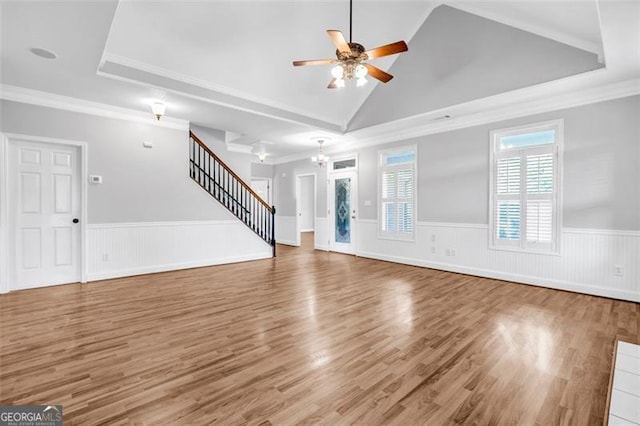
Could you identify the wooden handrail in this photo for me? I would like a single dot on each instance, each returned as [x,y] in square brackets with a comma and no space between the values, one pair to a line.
[228,169]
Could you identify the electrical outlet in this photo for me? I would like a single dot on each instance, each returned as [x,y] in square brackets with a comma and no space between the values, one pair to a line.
[452,252]
[105,257]
[433,238]
[433,250]
[618,270]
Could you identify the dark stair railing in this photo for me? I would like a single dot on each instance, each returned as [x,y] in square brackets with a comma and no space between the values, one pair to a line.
[215,177]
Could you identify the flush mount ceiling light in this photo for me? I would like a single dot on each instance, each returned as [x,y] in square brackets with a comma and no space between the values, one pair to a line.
[351,57]
[43,53]
[158,108]
[320,160]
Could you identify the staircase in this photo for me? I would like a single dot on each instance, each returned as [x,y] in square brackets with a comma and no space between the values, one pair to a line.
[215,177]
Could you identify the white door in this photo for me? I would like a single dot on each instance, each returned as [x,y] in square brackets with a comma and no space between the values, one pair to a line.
[262,188]
[44,211]
[343,202]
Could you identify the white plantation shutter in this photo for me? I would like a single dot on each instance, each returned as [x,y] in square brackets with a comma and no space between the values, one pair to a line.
[540,196]
[507,197]
[540,174]
[389,216]
[508,175]
[405,200]
[525,188]
[508,220]
[539,222]
[397,194]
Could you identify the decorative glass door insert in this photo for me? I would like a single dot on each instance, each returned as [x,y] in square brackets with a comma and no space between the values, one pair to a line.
[343,210]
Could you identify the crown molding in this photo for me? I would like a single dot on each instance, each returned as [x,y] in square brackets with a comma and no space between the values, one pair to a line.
[212,87]
[520,103]
[492,109]
[67,103]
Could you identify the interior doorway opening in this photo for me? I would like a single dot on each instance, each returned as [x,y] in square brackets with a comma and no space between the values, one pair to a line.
[306,202]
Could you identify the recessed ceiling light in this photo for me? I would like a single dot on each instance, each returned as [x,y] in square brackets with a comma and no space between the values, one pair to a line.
[43,53]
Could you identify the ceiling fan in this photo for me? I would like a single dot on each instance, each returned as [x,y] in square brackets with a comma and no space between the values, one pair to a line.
[351,58]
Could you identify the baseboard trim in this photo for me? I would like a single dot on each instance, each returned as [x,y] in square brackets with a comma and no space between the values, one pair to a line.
[322,247]
[174,267]
[517,278]
[288,243]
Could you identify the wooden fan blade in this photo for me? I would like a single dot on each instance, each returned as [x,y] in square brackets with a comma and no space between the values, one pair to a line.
[338,39]
[332,84]
[387,49]
[314,62]
[378,74]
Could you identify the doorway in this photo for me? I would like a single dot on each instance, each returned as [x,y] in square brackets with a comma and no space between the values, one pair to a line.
[45,212]
[343,200]
[305,207]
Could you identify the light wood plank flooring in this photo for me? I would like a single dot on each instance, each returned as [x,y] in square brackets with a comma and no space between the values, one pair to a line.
[311,337]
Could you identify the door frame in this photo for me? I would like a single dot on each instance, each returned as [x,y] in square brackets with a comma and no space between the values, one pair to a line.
[331,175]
[6,259]
[315,202]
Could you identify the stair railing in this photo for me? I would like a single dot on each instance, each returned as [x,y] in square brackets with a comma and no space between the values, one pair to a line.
[215,177]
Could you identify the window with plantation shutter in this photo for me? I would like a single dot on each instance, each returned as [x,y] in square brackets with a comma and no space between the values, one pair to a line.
[397,193]
[525,187]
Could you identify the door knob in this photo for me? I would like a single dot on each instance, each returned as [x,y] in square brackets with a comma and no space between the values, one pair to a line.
[75,220]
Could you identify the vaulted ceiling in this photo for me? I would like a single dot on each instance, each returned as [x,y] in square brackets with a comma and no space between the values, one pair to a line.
[227,64]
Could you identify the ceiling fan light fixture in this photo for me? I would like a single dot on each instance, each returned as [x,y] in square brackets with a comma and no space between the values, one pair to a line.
[361,71]
[351,58]
[337,72]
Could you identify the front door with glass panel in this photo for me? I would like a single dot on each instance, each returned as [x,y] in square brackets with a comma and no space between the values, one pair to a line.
[342,212]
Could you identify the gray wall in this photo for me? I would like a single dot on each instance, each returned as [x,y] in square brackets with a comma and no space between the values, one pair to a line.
[457,57]
[601,170]
[284,187]
[261,170]
[140,184]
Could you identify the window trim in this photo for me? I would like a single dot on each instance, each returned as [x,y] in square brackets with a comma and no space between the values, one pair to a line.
[383,235]
[494,141]
[332,160]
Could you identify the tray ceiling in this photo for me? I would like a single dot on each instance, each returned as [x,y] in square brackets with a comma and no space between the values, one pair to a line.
[227,64]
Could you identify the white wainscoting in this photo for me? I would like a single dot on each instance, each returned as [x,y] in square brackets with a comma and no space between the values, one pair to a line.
[124,249]
[586,264]
[321,236]
[286,230]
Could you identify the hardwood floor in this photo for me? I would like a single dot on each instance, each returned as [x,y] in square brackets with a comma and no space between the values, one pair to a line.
[311,337]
